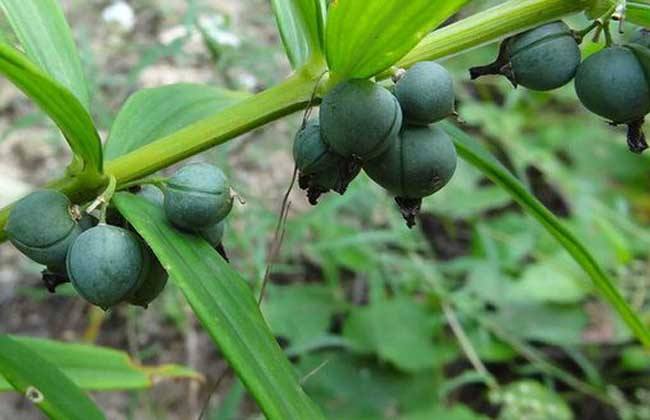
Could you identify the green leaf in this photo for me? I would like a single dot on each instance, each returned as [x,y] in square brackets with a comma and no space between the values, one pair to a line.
[100,368]
[46,38]
[350,387]
[456,412]
[473,153]
[225,305]
[399,331]
[43,383]
[364,38]
[300,314]
[635,359]
[551,281]
[151,114]
[62,106]
[548,323]
[301,28]
[638,12]
[531,400]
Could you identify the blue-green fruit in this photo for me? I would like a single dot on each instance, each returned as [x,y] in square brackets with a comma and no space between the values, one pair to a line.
[106,264]
[359,119]
[543,58]
[42,227]
[152,194]
[214,233]
[426,93]
[320,168]
[420,163]
[641,37]
[612,83]
[197,196]
[154,281]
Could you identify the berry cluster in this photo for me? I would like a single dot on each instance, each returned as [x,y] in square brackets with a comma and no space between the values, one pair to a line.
[109,263]
[390,135]
[613,83]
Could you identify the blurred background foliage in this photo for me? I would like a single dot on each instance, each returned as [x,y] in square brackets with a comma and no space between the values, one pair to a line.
[475,313]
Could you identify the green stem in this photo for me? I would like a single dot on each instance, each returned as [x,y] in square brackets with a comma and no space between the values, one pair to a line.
[158,181]
[277,102]
[503,20]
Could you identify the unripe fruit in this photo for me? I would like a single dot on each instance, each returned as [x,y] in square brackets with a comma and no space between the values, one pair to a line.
[419,164]
[425,93]
[197,196]
[106,264]
[152,194]
[543,58]
[359,119]
[641,37]
[611,83]
[42,227]
[214,233]
[153,283]
[320,168]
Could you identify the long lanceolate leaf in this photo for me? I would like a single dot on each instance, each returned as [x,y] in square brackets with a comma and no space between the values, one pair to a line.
[473,153]
[638,11]
[46,37]
[99,368]
[301,25]
[225,305]
[150,114]
[43,383]
[366,37]
[55,100]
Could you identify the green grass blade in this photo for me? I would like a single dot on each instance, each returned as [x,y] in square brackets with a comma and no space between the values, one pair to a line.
[301,25]
[226,307]
[474,154]
[96,368]
[46,37]
[150,114]
[46,386]
[56,101]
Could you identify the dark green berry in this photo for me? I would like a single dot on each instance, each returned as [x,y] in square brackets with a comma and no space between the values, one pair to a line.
[359,119]
[320,168]
[214,233]
[425,93]
[421,162]
[641,37]
[42,227]
[154,281]
[612,83]
[197,196]
[106,264]
[544,58]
